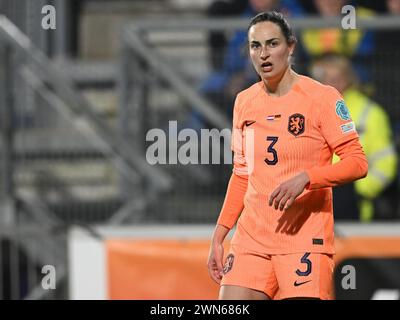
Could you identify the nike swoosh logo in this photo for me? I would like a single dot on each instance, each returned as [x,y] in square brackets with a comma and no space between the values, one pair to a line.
[296,284]
[249,123]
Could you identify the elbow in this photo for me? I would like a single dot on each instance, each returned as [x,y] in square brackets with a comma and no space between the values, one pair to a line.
[363,168]
[364,172]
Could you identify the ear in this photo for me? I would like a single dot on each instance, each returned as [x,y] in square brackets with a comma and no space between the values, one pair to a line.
[292,46]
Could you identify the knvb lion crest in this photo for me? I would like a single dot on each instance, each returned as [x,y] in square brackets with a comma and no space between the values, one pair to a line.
[228,263]
[296,124]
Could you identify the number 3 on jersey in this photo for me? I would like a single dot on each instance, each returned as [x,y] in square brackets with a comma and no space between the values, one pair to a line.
[273,158]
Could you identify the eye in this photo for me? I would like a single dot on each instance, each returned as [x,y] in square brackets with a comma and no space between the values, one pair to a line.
[254,45]
[274,44]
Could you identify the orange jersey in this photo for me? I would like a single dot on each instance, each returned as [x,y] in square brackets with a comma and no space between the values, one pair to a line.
[274,139]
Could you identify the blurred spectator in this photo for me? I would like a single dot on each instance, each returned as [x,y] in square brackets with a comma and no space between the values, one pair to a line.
[235,70]
[375,133]
[217,39]
[354,43]
[393,6]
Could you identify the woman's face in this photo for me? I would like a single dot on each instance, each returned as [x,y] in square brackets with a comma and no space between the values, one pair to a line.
[269,51]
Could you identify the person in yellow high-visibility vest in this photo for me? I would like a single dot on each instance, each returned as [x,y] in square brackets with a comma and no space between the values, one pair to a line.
[352,42]
[373,126]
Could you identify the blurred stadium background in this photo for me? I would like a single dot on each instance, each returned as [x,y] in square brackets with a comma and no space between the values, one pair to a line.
[76,103]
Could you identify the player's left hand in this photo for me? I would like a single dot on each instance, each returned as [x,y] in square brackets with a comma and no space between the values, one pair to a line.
[284,196]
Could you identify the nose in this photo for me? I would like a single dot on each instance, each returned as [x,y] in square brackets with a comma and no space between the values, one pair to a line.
[264,54]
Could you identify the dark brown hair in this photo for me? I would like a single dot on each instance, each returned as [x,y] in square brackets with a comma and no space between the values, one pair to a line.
[277,18]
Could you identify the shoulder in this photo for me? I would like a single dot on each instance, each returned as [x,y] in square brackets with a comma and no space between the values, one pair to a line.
[250,93]
[247,95]
[324,100]
[316,88]
[244,101]
[318,92]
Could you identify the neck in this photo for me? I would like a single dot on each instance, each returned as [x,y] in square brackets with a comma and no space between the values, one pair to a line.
[282,85]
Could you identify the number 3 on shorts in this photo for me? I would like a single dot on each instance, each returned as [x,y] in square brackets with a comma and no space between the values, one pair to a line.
[308,263]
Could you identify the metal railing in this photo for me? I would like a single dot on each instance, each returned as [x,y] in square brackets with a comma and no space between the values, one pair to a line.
[39,74]
[21,60]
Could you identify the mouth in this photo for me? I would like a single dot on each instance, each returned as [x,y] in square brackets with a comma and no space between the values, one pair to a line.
[266,67]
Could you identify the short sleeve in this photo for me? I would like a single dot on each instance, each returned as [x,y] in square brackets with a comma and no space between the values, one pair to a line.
[335,121]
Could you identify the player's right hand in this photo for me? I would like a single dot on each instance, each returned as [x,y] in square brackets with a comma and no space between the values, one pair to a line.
[214,264]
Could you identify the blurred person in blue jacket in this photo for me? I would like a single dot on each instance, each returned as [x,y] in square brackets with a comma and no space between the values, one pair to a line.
[217,39]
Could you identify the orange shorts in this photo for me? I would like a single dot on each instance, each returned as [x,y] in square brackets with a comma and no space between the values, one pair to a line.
[280,276]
